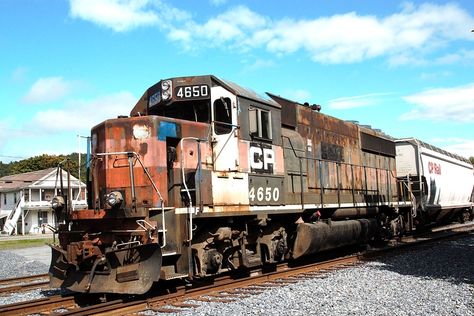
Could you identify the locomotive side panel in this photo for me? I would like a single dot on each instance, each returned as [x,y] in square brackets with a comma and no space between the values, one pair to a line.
[260,139]
[331,144]
[346,165]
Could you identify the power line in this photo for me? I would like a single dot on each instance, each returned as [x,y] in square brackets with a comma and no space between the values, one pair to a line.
[18,157]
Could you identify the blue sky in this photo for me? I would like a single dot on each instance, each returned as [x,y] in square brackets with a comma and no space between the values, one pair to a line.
[403,67]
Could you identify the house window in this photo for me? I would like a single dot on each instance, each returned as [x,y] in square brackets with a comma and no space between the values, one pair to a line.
[4,199]
[260,123]
[14,198]
[42,217]
[222,116]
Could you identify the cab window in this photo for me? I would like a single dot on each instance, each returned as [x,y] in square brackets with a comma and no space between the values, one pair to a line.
[260,123]
[222,116]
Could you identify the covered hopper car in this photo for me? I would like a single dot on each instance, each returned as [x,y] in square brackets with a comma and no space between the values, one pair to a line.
[206,176]
[441,182]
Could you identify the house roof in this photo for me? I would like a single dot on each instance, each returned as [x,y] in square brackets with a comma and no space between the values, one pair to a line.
[32,179]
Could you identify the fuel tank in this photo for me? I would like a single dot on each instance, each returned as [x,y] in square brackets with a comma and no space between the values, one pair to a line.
[325,235]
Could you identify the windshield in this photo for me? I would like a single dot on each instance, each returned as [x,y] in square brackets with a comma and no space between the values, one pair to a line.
[196,110]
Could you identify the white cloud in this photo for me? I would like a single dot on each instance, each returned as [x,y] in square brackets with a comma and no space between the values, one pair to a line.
[126,15]
[443,104]
[405,37]
[460,146]
[48,90]
[119,15]
[356,101]
[230,29]
[80,115]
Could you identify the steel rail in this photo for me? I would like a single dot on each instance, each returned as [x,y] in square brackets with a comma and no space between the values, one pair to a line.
[23,279]
[24,283]
[24,287]
[42,305]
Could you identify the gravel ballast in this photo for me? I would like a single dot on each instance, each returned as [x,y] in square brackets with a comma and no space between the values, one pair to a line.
[433,280]
[13,265]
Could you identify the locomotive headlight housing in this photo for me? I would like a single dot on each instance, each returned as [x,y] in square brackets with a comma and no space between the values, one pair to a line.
[166,88]
[57,203]
[114,198]
[165,95]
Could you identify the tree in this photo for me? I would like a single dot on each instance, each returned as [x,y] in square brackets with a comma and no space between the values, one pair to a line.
[45,161]
[471,159]
[4,169]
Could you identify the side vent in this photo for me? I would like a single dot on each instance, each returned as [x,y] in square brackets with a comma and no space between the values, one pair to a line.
[377,145]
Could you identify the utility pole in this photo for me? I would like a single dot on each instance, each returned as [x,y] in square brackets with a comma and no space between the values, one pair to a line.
[79,159]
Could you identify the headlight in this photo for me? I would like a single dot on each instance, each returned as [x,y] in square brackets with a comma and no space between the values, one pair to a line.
[166,85]
[114,198]
[57,203]
[166,88]
[166,95]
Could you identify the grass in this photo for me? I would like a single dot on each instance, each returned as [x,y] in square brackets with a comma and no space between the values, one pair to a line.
[24,243]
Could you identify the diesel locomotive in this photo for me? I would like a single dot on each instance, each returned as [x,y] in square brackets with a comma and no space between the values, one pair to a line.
[205,176]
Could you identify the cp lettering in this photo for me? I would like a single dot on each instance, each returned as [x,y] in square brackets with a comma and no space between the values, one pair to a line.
[262,158]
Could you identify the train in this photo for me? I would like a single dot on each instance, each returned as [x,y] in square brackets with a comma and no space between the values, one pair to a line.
[206,177]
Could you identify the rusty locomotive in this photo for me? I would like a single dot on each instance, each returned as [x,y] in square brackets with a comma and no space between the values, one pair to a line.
[205,176]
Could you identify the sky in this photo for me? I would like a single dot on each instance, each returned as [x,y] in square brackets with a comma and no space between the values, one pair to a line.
[403,67]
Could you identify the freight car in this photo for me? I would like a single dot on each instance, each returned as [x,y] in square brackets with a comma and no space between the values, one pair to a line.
[442,183]
[206,176]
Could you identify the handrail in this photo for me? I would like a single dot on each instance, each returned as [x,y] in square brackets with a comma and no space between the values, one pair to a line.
[190,207]
[12,218]
[17,204]
[143,224]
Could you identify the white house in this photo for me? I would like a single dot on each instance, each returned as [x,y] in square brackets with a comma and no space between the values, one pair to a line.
[25,200]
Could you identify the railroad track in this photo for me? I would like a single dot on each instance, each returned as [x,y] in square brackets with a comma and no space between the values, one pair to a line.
[24,283]
[42,305]
[228,288]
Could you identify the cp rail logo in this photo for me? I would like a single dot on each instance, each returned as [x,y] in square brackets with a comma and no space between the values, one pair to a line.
[262,158]
[434,167]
